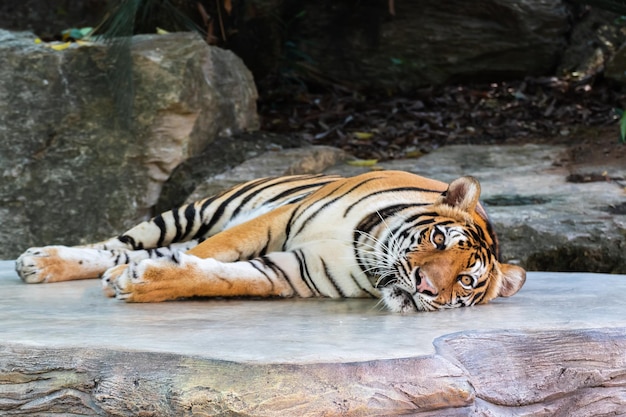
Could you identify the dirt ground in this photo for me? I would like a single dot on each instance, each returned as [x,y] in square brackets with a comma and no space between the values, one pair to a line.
[578,113]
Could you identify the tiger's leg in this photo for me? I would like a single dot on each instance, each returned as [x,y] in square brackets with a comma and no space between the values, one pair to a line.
[248,240]
[63,263]
[173,230]
[182,276]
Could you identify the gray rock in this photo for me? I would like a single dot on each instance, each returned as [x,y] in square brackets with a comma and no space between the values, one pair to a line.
[593,41]
[69,173]
[305,160]
[223,154]
[616,68]
[431,42]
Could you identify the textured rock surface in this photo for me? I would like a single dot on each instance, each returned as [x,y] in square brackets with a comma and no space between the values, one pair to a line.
[593,41]
[554,349]
[306,160]
[223,154]
[62,154]
[431,42]
[616,68]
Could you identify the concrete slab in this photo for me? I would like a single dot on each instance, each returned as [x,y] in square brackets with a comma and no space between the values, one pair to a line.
[294,330]
[66,347]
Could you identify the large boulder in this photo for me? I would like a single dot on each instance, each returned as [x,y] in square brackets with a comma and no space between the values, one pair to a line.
[71,172]
[593,42]
[429,42]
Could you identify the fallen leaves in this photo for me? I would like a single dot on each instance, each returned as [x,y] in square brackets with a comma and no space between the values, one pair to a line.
[381,127]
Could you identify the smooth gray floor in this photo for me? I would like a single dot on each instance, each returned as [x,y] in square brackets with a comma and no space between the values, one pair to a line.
[76,314]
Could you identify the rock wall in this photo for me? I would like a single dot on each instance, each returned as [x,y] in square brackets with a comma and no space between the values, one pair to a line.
[69,171]
[380,44]
[429,42]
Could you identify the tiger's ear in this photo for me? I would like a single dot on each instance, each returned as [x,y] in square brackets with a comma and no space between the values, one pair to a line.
[513,278]
[462,193]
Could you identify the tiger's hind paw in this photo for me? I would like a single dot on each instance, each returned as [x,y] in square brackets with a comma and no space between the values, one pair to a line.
[127,282]
[37,265]
[110,277]
[150,280]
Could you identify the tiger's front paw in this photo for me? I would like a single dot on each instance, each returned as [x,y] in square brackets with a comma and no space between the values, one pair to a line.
[147,281]
[39,265]
[109,279]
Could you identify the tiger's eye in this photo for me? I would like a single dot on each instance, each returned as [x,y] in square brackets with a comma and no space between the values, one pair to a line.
[466,280]
[438,238]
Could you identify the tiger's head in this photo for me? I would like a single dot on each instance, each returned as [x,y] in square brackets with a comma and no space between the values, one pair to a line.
[445,255]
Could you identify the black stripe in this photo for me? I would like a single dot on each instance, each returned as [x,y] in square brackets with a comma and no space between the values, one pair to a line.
[128,240]
[389,190]
[495,246]
[261,271]
[478,299]
[476,233]
[268,239]
[304,272]
[276,182]
[288,230]
[297,190]
[190,216]
[154,251]
[431,214]
[179,230]
[116,260]
[480,284]
[331,279]
[445,222]
[361,287]
[219,212]
[254,193]
[333,200]
[373,219]
[160,223]
[278,270]
[415,217]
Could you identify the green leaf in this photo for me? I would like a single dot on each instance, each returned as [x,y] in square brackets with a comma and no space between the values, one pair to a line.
[622,128]
[362,162]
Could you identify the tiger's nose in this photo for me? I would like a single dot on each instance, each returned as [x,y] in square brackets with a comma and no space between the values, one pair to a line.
[423,284]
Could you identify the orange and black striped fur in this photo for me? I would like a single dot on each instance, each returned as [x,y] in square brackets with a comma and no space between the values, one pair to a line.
[417,243]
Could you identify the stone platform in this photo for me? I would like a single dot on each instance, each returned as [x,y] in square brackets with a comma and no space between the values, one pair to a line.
[556,348]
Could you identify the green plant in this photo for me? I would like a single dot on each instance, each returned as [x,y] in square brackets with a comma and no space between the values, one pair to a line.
[622,124]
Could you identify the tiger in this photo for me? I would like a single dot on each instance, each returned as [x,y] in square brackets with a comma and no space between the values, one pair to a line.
[415,244]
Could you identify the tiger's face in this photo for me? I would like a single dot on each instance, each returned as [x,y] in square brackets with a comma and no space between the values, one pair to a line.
[445,257]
